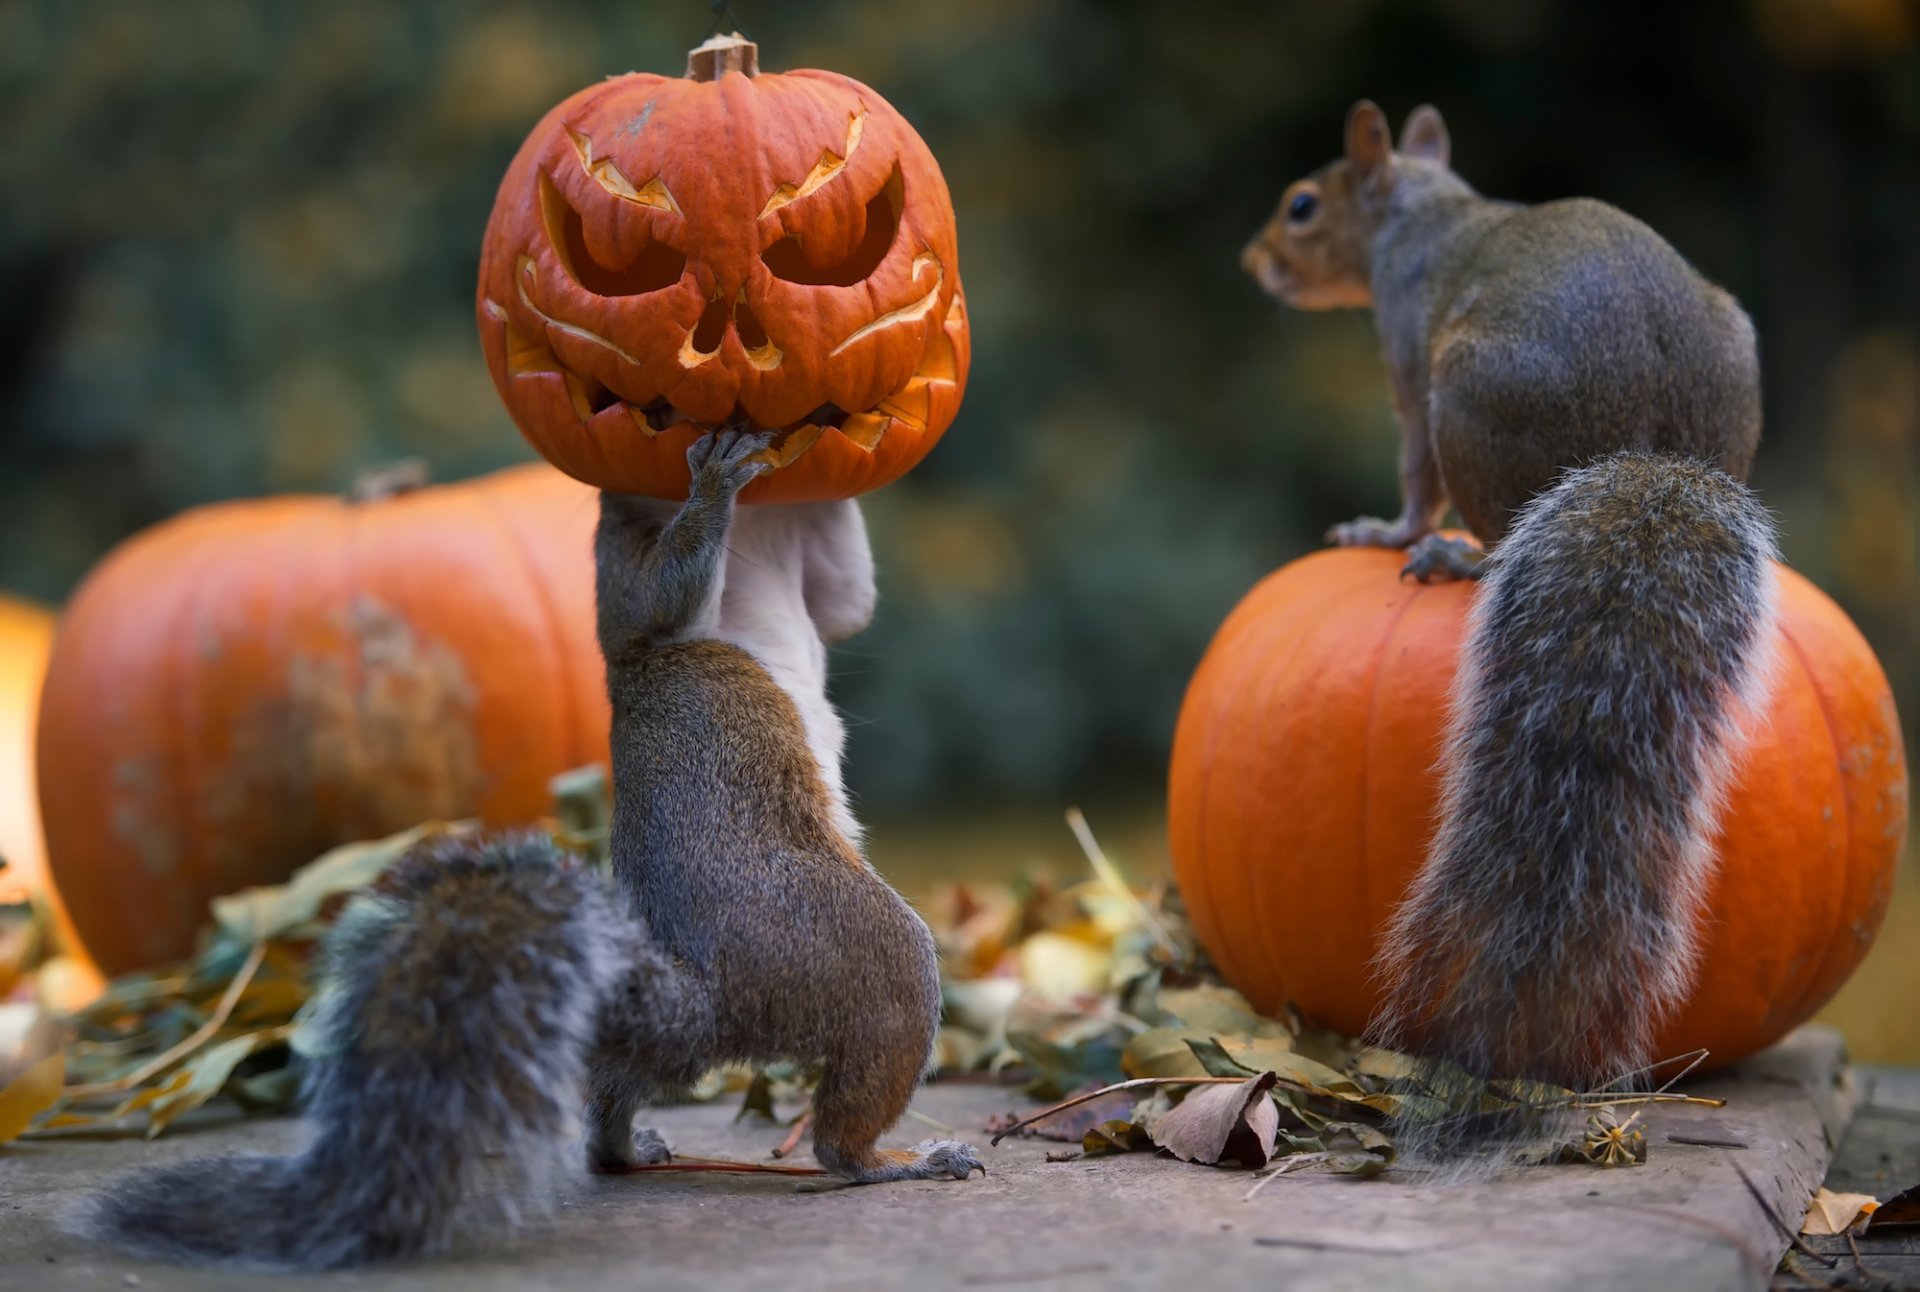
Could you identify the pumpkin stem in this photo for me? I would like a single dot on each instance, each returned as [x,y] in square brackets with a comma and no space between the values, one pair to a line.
[718,55]
[390,480]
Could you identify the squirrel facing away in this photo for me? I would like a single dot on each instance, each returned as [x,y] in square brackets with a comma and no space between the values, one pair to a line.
[482,989]
[1590,406]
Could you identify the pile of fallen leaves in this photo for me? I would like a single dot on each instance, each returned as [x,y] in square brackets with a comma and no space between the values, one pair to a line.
[1099,993]
[160,1043]
[157,1044]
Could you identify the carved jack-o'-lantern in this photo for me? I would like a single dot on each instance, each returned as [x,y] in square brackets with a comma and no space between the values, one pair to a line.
[667,256]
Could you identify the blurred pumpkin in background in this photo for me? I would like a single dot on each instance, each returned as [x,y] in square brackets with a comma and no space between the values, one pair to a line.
[238,689]
[1304,790]
[26,639]
[670,254]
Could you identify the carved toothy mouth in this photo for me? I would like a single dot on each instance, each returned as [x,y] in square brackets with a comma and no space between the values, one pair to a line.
[912,404]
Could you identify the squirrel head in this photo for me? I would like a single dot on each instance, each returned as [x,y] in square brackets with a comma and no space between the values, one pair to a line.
[1316,253]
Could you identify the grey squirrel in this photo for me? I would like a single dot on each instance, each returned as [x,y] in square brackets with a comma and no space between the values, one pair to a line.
[482,990]
[1590,405]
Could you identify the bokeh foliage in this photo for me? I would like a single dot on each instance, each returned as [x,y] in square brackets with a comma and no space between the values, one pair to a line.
[238,243]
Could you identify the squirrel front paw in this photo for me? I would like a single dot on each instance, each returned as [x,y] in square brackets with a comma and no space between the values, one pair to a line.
[722,463]
[1371,531]
[643,1148]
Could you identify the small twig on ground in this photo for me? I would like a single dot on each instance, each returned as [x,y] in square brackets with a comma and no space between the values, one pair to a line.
[201,1035]
[1693,1059]
[801,1125]
[1860,1264]
[1287,1166]
[1136,1084]
[1793,1238]
[715,1165]
[1617,1101]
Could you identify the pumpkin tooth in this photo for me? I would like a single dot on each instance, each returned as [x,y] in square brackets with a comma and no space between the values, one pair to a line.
[795,446]
[866,429]
[577,392]
[912,404]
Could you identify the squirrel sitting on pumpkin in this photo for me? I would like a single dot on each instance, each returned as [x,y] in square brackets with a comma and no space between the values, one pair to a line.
[1590,406]
[481,987]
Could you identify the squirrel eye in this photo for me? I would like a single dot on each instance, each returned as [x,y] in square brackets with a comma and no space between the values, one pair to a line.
[1302,207]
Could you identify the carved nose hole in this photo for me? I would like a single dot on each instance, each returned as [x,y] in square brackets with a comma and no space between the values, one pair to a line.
[711,327]
[747,324]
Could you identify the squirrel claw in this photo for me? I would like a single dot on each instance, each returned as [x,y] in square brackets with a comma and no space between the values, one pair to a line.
[723,461]
[1437,557]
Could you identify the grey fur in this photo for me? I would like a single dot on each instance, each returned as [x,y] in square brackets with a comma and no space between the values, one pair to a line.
[1620,641]
[446,1074]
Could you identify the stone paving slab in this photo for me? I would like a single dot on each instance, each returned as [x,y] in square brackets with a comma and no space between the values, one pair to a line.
[1685,1220]
[1880,1155]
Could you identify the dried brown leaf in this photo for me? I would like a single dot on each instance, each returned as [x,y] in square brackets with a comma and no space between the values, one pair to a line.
[1115,1136]
[1221,1123]
[1217,1011]
[1831,1213]
[30,1094]
[206,1075]
[1162,1052]
[1901,1210]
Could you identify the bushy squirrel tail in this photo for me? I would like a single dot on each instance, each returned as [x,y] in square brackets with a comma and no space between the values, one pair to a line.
[446,1047]
[1621,638]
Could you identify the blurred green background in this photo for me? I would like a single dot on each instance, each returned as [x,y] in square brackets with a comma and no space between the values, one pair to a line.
[238,243]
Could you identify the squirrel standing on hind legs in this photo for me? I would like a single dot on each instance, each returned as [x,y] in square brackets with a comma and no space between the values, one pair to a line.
[1590,406]
[483,989]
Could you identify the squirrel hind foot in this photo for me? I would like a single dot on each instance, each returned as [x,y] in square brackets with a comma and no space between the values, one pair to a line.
[1437,558]
[945,1159]
[644,1148]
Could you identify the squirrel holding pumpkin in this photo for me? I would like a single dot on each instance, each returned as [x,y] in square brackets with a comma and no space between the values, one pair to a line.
[481,987]
[1590,406]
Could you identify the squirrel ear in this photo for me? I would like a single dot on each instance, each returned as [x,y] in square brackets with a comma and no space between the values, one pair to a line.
[1369,141]
[1425,135]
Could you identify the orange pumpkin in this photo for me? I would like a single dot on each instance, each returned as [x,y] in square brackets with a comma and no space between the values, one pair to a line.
[668,254]
[1304,789]
[26,639]
[26,635]
[242,687]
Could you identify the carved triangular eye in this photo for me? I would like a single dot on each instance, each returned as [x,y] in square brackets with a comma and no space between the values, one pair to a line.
[787,261]
[658,265]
